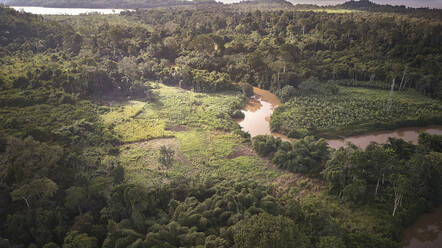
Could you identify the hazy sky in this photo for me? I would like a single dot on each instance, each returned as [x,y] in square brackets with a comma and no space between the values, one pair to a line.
[410,3]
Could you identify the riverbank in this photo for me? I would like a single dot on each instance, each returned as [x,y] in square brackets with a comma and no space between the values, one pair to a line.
[368,128]
[257,112]
[410,134]
[259,109]
[354,111]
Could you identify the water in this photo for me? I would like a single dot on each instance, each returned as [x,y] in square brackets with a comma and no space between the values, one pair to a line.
[257,113]
[426,232]
[260,107]
[407,134]
[66,11]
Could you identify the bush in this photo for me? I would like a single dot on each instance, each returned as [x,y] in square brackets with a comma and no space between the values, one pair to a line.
[246,88]
[166,155]
[297,133]
[237,114]
[268,231]
[286,93]
[265,145]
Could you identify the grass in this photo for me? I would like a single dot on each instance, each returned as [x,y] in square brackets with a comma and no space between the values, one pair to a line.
[355,111]
[122,120]
[201,150]
[198,154]
[179,107]
[123,111]
[140,121]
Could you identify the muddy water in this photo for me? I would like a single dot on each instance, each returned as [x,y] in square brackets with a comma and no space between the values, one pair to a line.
[258,111]
[426,232]
[260,107]
[407,134]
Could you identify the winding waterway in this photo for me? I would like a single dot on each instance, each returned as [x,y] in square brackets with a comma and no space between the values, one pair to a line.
[261,106]
[257,112]
[407,134]
[425,233]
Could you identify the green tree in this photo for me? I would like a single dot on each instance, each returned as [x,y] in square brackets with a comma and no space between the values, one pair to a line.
[331,242]
[268,231]
[75,198]
[117,174]
[36,189]
[79,240]
[166,155]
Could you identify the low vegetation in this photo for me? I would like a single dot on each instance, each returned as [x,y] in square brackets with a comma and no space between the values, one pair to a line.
[352,111]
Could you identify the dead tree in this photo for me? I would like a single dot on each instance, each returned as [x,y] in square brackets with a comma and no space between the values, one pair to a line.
[403,77]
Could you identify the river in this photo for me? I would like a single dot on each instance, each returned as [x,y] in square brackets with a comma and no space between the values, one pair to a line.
[65,11]
[407,134]
[257,113]
[260,107]
[425,233]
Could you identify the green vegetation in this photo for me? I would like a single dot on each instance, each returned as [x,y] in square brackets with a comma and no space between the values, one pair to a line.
[118,131]
[306,156]
[353,111]
[124,122]
[390,183]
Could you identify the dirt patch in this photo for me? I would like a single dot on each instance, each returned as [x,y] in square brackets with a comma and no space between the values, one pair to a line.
[179,128]
[241,150]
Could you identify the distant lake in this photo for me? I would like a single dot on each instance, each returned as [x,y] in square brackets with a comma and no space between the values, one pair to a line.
[65,11]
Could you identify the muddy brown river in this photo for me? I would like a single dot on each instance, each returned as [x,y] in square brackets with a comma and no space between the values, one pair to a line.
[425,233]
[257,113]
[407,134]
[260,107]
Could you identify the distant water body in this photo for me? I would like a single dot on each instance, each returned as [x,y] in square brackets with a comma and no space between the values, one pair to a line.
[409,3]
[65,11]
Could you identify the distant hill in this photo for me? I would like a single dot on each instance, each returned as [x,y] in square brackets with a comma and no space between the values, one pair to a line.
[107,3]
[361,4]
[366,5]
[270,3]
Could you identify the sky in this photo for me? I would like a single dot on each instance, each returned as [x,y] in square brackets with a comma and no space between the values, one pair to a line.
[409,3]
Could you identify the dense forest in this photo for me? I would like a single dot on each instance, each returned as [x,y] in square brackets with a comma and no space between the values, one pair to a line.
[119,130]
